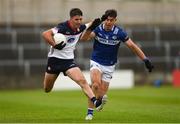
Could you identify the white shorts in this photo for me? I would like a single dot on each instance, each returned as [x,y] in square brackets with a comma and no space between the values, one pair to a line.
[107,71]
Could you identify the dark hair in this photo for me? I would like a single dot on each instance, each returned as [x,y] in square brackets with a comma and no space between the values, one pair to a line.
[111,13]
[75,11]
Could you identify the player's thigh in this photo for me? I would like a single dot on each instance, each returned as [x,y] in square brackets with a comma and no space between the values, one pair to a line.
[76,75]
[96,76]
[49,79]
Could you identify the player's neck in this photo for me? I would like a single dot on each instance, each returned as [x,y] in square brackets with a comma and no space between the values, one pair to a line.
[107,28]
[72,26]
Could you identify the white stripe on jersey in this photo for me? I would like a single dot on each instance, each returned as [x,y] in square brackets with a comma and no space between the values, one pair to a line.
[116,31]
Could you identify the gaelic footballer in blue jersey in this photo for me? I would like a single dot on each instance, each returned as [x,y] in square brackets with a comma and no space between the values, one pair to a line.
[107,39]
[61,56]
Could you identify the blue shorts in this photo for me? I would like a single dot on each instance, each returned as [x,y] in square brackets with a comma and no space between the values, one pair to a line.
[56,65]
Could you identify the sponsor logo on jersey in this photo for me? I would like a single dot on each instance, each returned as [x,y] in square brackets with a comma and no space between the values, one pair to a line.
[70,40]
[109,42]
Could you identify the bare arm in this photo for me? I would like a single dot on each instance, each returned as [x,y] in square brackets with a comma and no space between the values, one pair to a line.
[87,35]
[135,49]
[140,54]
[48,36]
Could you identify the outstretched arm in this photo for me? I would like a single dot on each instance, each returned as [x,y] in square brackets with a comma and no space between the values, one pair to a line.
[135,49]
[140,54]
[88,34]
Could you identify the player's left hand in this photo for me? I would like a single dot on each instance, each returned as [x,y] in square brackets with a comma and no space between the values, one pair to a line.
[60,46]
[148,64]
[94,24]
[104,17]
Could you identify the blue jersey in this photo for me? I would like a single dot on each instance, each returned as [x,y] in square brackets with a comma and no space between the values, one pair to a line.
[106,44]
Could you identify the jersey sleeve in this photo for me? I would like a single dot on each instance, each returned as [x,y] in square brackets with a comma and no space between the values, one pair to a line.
[123,36]
[83,27]
[96,30]
[58,29]
[87,25]
[54,30]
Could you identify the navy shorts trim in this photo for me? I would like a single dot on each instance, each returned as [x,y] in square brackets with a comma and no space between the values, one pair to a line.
[56,65]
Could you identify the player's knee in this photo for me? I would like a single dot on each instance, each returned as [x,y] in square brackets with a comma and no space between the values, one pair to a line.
[95,86]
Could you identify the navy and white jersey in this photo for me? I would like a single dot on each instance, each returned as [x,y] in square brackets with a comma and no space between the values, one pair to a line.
[72,37]
[106,44]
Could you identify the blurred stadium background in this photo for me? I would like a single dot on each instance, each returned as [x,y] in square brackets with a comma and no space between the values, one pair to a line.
[153,24]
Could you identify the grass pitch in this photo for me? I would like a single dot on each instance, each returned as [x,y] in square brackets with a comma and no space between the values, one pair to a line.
[140,104]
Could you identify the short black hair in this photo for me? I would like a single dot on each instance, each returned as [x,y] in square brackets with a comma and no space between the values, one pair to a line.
[75,11]
[111,13]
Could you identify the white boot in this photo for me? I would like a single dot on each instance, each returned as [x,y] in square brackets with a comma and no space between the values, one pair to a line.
[104,100]
[89,117]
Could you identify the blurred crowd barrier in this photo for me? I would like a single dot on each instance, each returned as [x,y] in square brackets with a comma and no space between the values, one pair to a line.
[153,25]
[23,52]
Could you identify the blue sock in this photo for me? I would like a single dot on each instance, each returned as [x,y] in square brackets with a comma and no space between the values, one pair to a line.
[90,111]
[93,99]
[96,102]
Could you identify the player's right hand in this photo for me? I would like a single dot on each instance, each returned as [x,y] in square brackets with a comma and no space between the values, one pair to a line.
[60,46]
[148,64]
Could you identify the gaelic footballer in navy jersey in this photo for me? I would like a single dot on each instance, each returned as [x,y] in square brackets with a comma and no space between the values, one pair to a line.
[61,56]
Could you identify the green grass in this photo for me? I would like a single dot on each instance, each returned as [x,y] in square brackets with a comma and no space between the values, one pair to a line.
[140,104]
